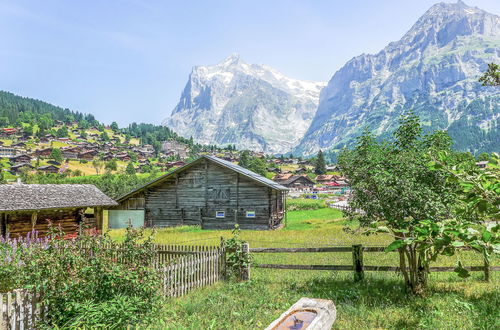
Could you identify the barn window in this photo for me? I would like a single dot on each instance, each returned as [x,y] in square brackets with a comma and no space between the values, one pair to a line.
[220,214]
[250,214]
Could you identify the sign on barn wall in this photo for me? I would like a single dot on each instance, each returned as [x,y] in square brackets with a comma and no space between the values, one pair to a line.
[123,218]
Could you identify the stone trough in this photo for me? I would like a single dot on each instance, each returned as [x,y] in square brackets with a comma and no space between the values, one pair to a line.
[307,313]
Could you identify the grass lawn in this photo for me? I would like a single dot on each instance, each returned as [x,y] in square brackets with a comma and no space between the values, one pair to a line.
[379,302]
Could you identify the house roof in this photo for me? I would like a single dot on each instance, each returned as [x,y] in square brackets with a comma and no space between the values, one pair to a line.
[325,177]
[241,170]
[282,176]
[294,178]
[18,197]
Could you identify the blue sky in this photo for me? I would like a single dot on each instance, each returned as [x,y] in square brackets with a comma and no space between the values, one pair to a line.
[129,60]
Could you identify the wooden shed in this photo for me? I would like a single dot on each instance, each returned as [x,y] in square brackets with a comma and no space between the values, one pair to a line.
[209,192]
[28,207]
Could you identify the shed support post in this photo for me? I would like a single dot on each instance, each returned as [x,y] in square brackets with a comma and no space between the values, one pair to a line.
[98,218]
[357,262]
[34,217]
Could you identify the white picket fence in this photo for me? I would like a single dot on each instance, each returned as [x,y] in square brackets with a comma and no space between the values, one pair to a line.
[19,310]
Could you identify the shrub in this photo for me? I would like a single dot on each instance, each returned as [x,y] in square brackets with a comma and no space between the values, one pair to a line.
[100,285]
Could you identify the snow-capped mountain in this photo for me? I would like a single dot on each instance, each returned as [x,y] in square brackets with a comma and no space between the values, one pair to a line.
[433,69]
[250,105]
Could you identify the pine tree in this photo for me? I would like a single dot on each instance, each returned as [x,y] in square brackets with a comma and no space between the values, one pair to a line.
[320,167]
[130,169]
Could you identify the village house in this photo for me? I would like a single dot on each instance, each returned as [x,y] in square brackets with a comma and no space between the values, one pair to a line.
[482,164]
[282,177]
[29,207]
[325,178]
[298,182]
[15,169]
[43,152]
[18,145]
[123,157]
[175,148]
[7,152]
[70,152]
[178,163]
[48,169]
[20,159]
[273,169]
[209,192]
[6,132]
[87,154]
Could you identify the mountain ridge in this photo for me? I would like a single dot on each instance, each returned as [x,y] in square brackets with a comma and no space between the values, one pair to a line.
[433,70]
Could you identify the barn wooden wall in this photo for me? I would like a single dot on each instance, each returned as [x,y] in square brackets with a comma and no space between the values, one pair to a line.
[19,224]
[195,195]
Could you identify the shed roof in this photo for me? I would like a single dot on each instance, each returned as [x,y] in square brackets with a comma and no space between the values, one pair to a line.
[243,171]
[20,197]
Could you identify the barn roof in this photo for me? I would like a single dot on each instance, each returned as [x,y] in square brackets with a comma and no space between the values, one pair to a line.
[241,170]
[18,197]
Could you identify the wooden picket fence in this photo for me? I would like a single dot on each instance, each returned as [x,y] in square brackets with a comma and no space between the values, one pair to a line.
[183,268]
[19,310]
[193,271]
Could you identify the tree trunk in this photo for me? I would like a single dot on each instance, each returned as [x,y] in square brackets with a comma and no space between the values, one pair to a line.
[414,269]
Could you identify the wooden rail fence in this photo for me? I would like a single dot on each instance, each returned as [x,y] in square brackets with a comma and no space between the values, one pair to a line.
[357,265]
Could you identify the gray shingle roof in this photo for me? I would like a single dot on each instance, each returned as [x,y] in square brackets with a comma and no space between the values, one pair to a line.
[51,196]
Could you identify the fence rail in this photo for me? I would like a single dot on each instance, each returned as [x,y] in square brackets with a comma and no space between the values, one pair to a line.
[357,265]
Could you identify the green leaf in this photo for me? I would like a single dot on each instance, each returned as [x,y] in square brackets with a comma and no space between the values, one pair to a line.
[394,245]
[486,236]
[457,243]
[461,271]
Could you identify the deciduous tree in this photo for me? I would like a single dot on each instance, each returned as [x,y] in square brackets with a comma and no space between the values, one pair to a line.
[400,195]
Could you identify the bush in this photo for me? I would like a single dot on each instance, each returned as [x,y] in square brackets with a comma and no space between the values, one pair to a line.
[305,204]
[95,286]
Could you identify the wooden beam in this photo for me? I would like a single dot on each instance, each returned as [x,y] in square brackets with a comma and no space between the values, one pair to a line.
[291,250]
[307,267]
[237,198]
[176,194]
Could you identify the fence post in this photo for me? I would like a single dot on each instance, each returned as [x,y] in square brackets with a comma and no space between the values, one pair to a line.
[245,275]
[222,262]
[357,262]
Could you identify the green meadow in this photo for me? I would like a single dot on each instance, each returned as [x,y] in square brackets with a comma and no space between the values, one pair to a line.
[379,302]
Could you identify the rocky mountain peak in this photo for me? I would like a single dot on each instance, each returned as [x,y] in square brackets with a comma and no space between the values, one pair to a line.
[253,106]
[433,69]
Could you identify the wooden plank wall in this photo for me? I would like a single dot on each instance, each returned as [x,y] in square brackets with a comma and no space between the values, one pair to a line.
[19,224]
[194,196]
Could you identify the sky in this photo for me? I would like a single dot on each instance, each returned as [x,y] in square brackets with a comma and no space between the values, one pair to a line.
[129,60]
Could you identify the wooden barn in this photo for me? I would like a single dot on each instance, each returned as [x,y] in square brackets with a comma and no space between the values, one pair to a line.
[28,207]
[209,192]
